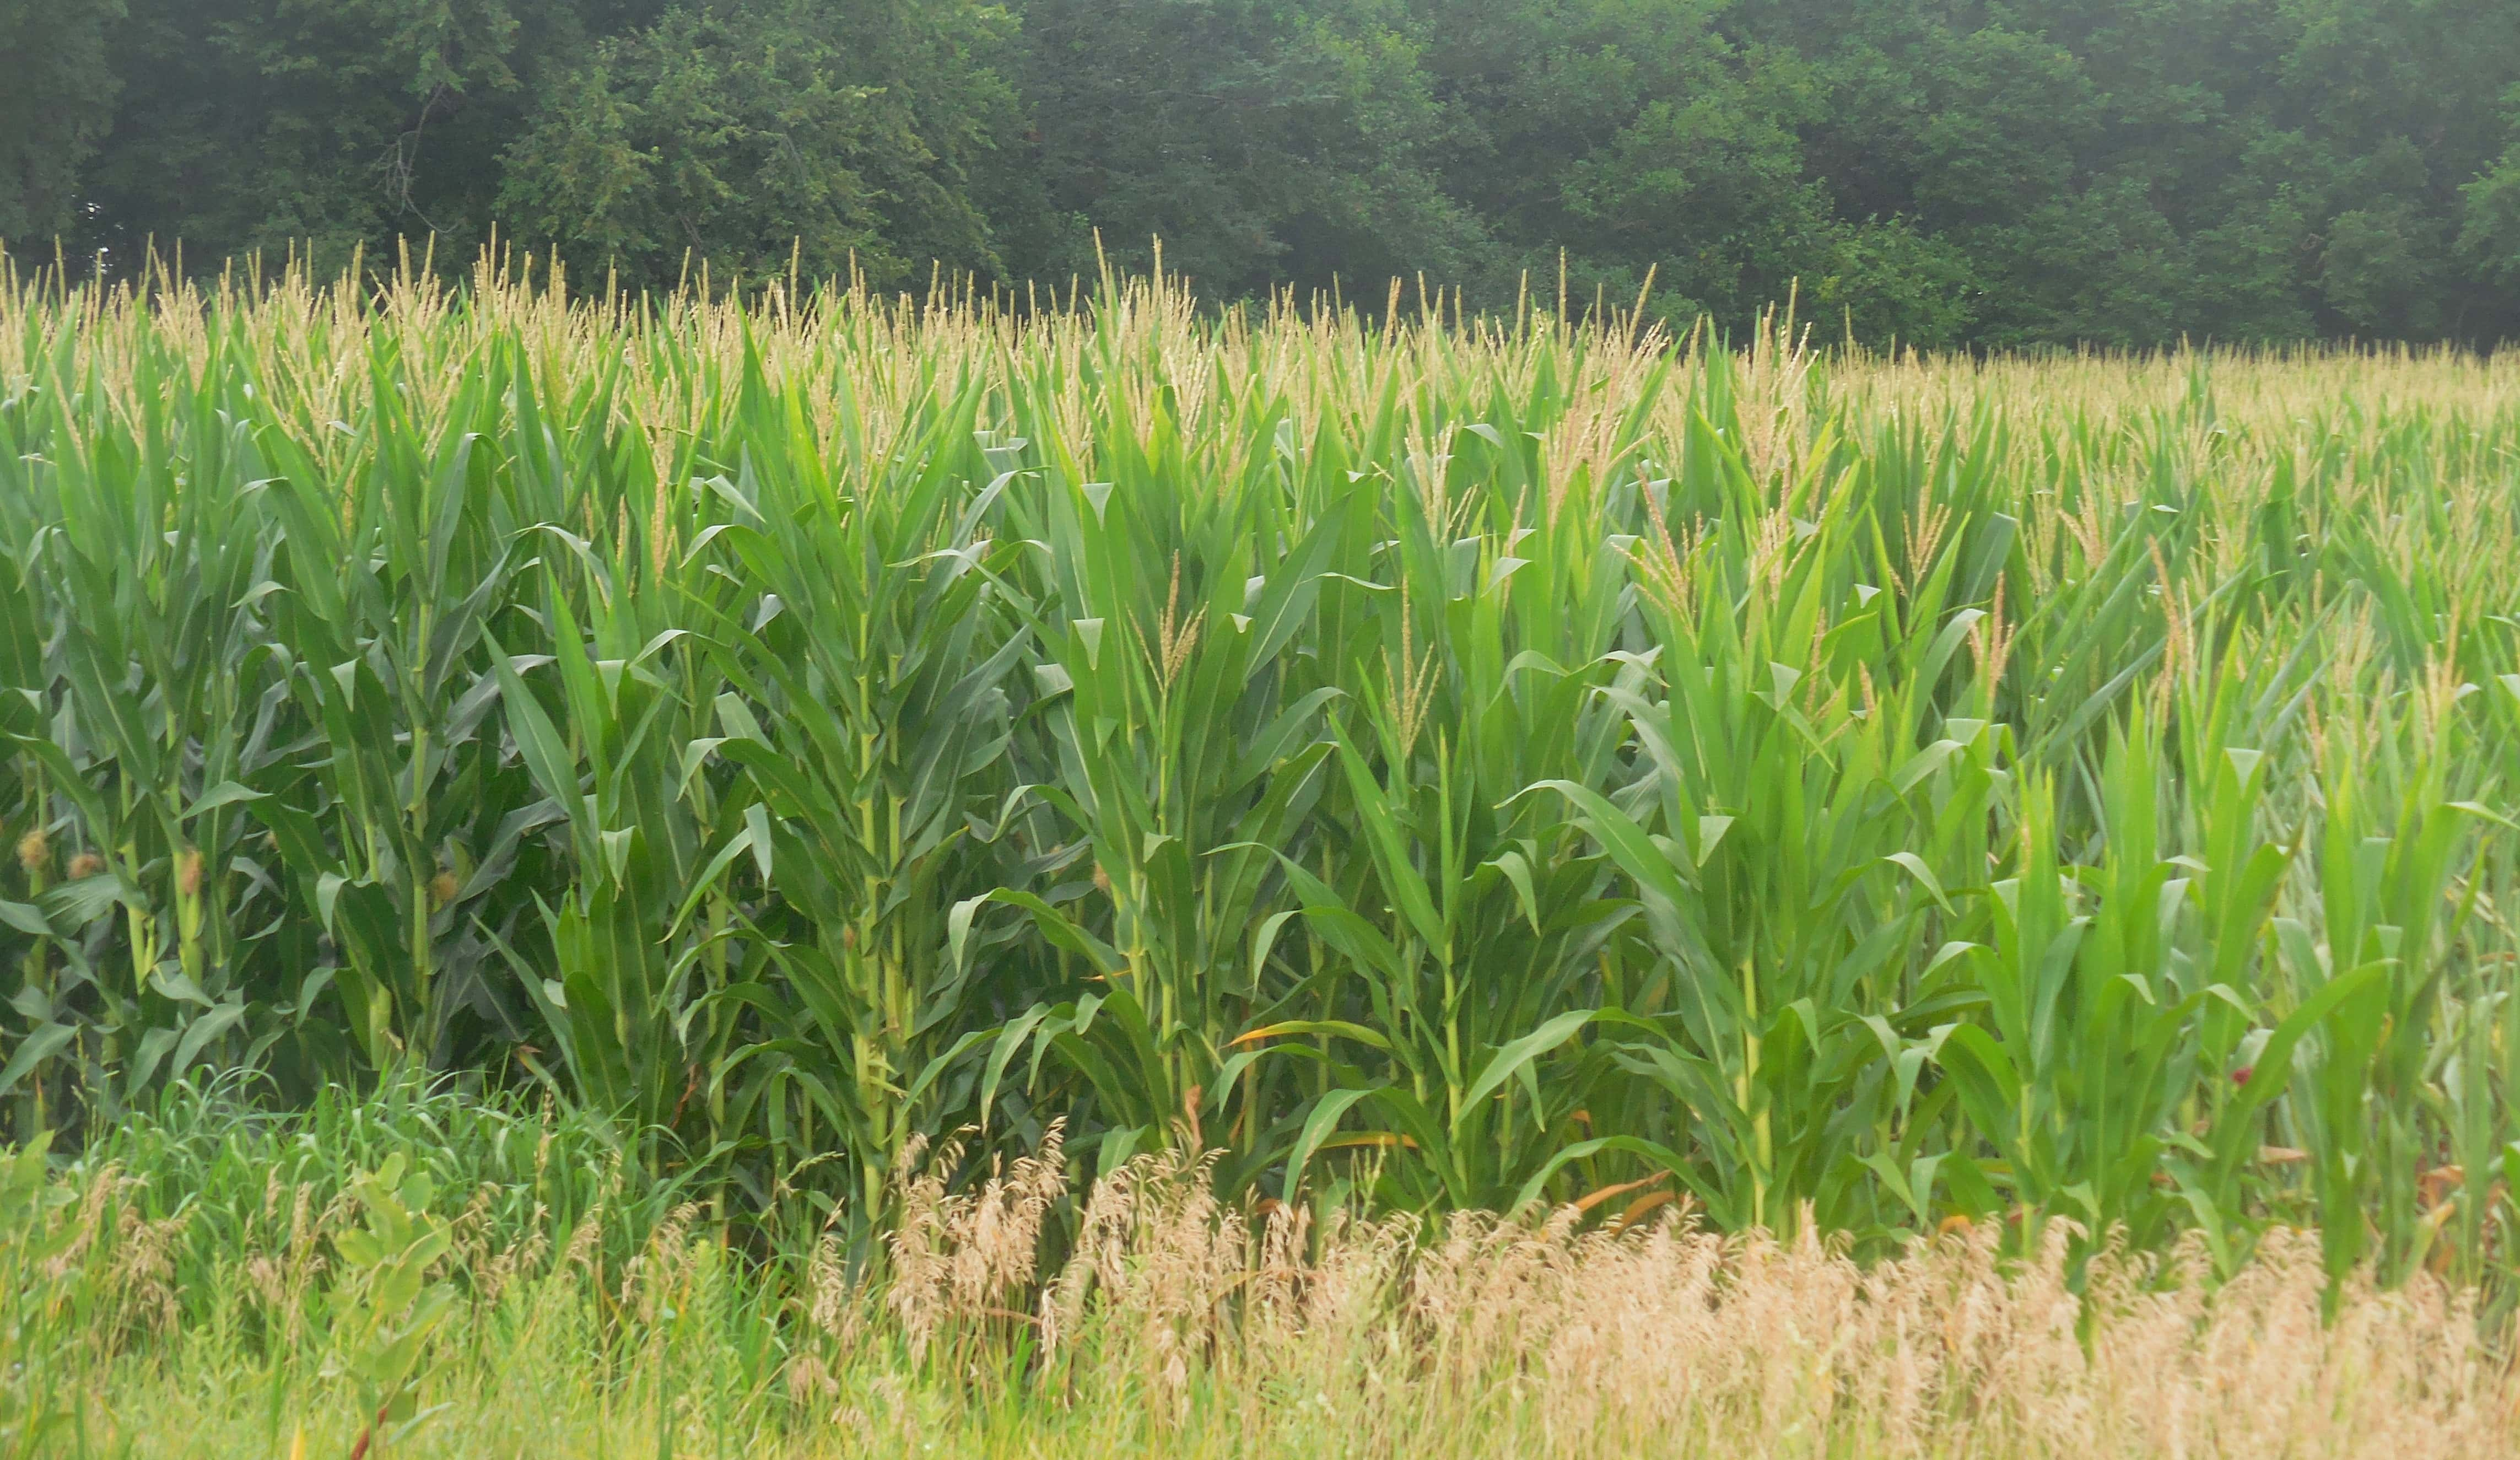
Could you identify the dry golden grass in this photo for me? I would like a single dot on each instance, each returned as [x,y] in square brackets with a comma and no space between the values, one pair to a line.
[1180,1327]
[1239,1336]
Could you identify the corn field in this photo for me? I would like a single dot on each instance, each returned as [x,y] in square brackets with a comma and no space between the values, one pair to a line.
[1410,764]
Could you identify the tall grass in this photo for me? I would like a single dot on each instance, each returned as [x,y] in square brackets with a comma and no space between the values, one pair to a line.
[205,1281]
[1412,766]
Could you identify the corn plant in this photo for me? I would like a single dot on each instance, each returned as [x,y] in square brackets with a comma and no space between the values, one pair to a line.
[1406,762]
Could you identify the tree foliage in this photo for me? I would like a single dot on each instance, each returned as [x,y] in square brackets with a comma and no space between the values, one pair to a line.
[1993,172]
[761,136]
[60,98]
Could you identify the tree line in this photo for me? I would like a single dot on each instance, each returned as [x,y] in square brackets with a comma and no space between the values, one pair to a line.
[1945,173]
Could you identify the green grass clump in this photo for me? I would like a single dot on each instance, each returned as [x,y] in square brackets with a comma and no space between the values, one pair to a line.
[1425,766]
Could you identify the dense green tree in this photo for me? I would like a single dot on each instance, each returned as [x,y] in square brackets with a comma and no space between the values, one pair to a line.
[1634,130]
[2395,106]
[759,135]
[1265,142]
[1985,172]
[56,102]
[326,125]
[2489,238]
[1650,142]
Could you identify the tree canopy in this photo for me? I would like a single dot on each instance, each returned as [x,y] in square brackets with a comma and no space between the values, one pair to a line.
[1948,172]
